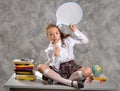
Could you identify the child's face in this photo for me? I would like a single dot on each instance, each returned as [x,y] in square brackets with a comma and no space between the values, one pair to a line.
[53,34]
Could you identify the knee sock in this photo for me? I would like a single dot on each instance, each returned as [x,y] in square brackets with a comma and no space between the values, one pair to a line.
[76,75]
[55,76]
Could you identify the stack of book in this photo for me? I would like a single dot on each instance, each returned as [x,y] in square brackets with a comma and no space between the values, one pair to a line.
[24,69]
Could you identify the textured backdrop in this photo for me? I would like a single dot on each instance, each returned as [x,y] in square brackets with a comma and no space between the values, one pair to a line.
[22,34]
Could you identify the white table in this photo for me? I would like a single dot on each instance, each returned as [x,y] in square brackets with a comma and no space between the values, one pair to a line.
[38,85]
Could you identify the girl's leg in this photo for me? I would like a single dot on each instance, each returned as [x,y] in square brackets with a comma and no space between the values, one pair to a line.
[76,75]
[45,70]
[81,73]
[86,71]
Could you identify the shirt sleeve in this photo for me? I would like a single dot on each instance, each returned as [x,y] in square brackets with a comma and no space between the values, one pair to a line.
[80,38]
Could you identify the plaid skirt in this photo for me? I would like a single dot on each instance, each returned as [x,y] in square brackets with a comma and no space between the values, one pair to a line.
[66,69]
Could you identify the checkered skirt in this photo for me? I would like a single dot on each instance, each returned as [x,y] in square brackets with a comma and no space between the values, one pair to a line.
[66,69]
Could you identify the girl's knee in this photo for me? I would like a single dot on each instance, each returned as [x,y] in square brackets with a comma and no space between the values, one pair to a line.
[42,67]
[39,66]
[87,72]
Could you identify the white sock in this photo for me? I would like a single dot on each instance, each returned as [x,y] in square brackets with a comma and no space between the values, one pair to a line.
[55,76]
[80,74]
[46,71]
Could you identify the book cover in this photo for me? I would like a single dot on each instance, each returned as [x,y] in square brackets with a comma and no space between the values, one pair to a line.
[24,73]
[101,77]
[24,65]
[23,61]
[24,68]
[25,77]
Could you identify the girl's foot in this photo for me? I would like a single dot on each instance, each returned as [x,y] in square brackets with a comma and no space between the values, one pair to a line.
[78,84]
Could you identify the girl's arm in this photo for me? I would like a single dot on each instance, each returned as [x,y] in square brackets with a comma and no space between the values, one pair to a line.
[81,38]
[52,53]
[52,59]
[49,54]
[56,50]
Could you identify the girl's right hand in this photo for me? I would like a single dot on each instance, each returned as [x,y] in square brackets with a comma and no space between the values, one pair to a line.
[56,50]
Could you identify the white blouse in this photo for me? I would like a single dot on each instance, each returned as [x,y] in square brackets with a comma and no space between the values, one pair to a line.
[66,52]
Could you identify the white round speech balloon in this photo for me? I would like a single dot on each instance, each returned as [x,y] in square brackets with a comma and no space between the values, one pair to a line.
[69,13]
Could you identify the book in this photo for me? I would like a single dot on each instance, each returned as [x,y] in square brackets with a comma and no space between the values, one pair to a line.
[24,65]
[24,73]
[24,68]
[23,61]
[25,77]
[101,77]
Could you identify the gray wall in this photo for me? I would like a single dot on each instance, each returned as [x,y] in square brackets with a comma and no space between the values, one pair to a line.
[22,34]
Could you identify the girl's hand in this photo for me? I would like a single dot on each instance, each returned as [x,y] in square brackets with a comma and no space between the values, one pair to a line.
[73,27]
[89,79]
[56,50]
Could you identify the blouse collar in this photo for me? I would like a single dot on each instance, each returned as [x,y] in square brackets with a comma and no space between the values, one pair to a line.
[58,43]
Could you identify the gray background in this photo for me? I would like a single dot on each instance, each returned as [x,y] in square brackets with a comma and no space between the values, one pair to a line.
[22,34]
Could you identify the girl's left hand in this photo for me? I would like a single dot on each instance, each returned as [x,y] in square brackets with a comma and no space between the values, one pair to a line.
[73,27]
[89,79]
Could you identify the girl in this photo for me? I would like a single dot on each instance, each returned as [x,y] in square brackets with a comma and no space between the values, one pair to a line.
[62,67]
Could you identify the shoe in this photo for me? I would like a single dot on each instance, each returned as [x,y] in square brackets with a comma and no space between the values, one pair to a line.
[79,83]
[50,81]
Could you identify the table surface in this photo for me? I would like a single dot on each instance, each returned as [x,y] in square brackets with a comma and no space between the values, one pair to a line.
[38,84]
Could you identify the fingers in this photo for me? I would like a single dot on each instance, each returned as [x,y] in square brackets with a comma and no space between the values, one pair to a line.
[73,27]
[56,46]
[89,80]
[56,50]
